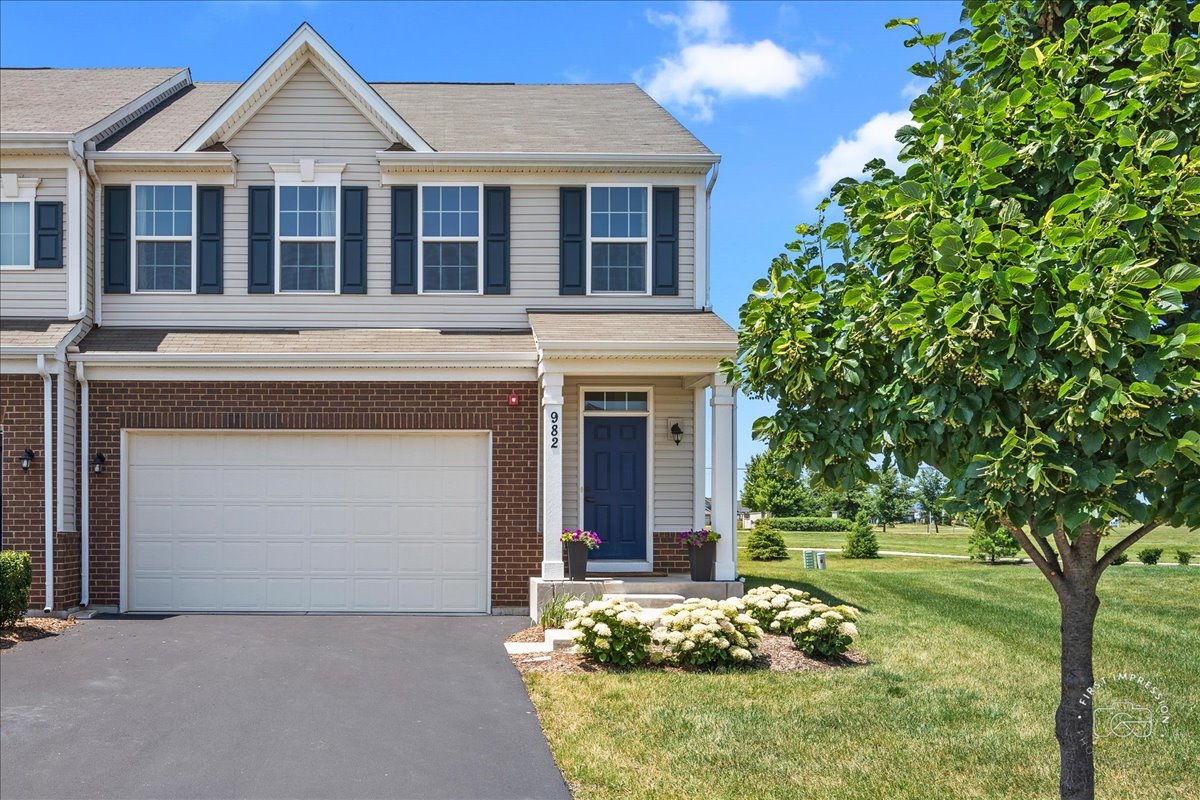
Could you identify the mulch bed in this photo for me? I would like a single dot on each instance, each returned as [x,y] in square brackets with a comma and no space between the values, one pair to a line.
[775,654]
[535,633]
[30,628]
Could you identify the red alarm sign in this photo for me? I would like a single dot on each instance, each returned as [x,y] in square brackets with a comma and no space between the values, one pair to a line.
[514,399]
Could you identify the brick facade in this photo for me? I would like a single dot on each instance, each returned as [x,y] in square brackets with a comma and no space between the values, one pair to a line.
[294,405]
[669,555]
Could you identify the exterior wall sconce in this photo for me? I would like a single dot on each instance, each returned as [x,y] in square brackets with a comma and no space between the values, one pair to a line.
[676,433]
[98,463]
[27,458]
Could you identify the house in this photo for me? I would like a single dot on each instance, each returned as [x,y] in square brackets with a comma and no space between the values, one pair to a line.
[307,342]
[747,518]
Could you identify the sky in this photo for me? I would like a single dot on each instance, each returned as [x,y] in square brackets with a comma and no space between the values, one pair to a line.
[793,95]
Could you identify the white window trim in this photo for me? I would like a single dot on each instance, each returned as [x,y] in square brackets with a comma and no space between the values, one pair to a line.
[135,238]
[306,172]
[621,239]
[422,238]
[15,189]
[621,566]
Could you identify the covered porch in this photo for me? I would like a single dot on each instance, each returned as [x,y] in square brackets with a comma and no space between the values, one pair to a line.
[637,429]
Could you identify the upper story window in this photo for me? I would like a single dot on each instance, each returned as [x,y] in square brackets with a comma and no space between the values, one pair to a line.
[163,241]
[450,238]
[618,238]
[308,230]
[16,221]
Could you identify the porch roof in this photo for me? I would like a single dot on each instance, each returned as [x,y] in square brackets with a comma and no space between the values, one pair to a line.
[624,333]
[30,335]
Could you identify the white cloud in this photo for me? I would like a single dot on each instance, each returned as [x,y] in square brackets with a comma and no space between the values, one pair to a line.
[914,88]
[875,139]
[708,67]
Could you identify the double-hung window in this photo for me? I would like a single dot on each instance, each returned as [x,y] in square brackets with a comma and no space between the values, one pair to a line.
[16,222]
[618,239]
[164,247]
[450,238]
[308,234]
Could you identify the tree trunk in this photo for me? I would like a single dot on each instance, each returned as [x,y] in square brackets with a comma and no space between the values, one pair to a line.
[935,525]
[1073,721]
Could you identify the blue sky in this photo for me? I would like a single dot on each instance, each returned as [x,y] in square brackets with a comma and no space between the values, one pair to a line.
[792,95]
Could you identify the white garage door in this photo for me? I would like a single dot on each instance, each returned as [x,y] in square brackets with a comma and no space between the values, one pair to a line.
[225,521]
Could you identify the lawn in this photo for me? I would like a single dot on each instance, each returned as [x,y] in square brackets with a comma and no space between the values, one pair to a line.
[953,541]
[957,700]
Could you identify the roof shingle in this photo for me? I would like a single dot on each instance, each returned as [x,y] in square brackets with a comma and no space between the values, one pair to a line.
[69,100]
[347,341]
[631,327]
[44,334]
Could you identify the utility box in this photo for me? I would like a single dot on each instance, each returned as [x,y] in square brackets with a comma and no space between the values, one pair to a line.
[820,559]
[810,560]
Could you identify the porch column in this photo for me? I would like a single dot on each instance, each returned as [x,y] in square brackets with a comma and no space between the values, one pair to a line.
[552,477]
[724,471]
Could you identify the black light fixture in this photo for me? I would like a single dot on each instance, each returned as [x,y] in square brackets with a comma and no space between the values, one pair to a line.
[26,458]
[677,433]
[98,463]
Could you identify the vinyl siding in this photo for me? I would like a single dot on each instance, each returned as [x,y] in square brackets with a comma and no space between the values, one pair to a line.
[38,293]
[673,464]
[308,117]
[66,472]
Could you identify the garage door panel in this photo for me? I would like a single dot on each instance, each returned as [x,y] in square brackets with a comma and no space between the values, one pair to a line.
[307,521]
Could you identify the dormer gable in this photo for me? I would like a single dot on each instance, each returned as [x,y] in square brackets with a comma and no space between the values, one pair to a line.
[302,48]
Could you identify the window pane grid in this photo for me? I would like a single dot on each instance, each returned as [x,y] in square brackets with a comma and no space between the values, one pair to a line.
[164,266]
[450,226]
[163,211]
[14,234]
[307,211]
[307,266]
[615,401]
[163,224]
[619,225]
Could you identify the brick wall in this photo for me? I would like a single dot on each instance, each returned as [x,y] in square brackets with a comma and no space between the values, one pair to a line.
[669,555]
[24,493]
[294,405]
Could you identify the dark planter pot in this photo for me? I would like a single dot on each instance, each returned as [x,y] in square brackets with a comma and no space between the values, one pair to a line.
[577,555]
[702,561]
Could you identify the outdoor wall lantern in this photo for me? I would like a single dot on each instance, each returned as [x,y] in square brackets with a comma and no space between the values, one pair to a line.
[26,459]
[98,463]
[676,433]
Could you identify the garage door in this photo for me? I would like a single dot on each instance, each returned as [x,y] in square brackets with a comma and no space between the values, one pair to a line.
[223,521]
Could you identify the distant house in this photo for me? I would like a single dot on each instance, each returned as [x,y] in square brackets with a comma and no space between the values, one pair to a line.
[747,518]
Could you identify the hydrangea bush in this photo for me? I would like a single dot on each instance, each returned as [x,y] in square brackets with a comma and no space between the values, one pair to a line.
[610,631]
[765,602]
[706,632]
[825,632]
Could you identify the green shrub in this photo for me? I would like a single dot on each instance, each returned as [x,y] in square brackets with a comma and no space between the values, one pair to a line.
[706,632]
[765,543]
[825,632]
[1119,560]
[555,613]
[16,573]
[1150,555]
[818,524]
[1184,557]
[988,545]
[765,602]
[861,541]
[610,631]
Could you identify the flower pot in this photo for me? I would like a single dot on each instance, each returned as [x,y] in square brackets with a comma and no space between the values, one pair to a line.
[702,560]
[577,556]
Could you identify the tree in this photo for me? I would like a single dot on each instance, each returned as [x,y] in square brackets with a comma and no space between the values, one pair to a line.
[1018,306]
[846,502]
[988,544]
[929,491]
[771,488]
[765,543]
[888,499]
[861,541]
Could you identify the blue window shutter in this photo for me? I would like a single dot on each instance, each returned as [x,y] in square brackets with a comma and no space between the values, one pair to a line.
[496,239]
[666,241]
[262,240]
[210,239]
[572,250]
[47,235]
[404,240]
[354,239]
[118,252]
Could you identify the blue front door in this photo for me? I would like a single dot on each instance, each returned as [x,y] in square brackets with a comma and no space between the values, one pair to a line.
[614,485]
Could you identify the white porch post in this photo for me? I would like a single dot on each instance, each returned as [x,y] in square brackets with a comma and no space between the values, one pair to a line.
[552,477]
[724,471]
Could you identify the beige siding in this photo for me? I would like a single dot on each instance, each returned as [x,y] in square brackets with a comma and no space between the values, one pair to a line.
[673,464]
[38,292]
[66,472]
[308,117]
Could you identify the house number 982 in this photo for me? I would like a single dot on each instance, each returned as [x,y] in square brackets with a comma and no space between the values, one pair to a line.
[553,430]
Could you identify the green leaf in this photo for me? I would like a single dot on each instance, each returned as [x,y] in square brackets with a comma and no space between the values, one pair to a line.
[1156,43]
[913,191]
[1141,277]
[1086,169]
[1146,389]
[1031,57]
[1183,276]
[898,21]
[1020,275]
[995,154]
[1162,140]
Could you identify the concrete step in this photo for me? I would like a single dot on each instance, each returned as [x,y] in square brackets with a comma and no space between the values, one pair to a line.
[655,600]
[560,639]
[715,590]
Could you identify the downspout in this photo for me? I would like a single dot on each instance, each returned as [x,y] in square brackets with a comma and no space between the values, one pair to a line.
[708,268]
[47,449]
[85,473]
[78,224]
[91,170]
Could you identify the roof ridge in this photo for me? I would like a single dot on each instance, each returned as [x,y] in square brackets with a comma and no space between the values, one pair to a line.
[87,69]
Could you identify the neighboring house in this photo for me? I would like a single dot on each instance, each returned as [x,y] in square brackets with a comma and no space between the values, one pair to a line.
[748,518]
[310,343]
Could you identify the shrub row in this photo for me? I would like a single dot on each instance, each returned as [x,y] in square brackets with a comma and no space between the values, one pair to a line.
[819,524]
[16,573]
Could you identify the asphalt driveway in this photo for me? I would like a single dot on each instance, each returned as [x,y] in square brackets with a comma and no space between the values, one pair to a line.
[271,707]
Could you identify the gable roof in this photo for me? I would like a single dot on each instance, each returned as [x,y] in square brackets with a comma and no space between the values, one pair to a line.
[305,45]
[614,332]
[68,101]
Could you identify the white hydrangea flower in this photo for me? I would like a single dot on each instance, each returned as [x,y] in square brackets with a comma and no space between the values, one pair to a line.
[833,616]
[627,617]
[817,624]
[603,630]
[741,654]
[848,629]
[587,622]
[574,605]
[602,644]
[689,645]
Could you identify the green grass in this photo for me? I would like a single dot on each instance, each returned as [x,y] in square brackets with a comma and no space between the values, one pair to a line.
[957,701]
[953,541]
